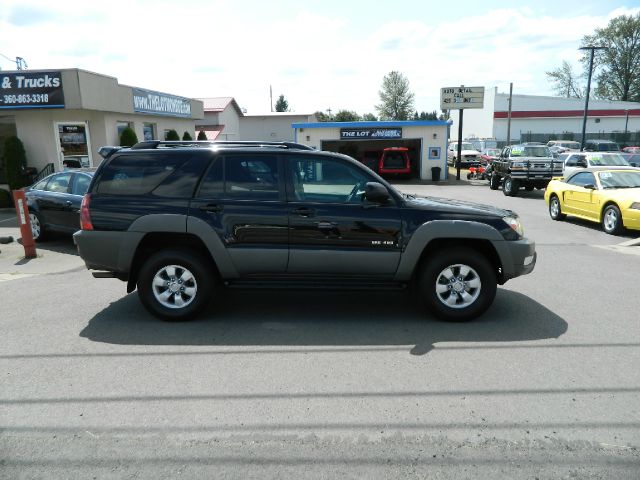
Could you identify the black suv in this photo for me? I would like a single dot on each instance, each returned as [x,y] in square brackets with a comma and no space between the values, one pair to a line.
[183,220]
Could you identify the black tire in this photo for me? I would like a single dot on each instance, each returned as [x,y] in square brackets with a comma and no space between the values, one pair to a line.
[469,176]
[555,212]
[612,220]
[494,181]
[199,276]
[37,227]
[434,277]
[510,186]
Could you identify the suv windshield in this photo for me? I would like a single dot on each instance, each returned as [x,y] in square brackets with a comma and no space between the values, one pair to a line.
[531,151]
[467,146]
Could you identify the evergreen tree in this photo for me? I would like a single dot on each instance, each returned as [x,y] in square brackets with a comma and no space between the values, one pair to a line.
[281,104]
[128,137]
[396,99]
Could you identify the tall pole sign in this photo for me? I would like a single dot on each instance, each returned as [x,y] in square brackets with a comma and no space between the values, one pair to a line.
[460,98]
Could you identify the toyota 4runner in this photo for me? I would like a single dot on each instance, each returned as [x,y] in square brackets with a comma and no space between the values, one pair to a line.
[181,221]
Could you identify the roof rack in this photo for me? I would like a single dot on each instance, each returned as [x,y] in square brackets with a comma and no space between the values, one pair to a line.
[212,143]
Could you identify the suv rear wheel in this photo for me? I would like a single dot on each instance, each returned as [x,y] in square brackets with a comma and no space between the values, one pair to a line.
[458,284]
[175,284]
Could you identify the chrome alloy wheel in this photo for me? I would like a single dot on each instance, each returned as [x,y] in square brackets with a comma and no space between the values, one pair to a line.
[174,286]
[36,228]
[611,220]
[554,207]
[458,286]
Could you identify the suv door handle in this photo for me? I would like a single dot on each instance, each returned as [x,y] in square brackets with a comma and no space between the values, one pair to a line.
[304,212]
[327,225]
[211,207]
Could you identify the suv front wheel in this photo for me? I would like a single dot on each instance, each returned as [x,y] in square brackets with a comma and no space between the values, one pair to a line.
[175,284]
[458,284]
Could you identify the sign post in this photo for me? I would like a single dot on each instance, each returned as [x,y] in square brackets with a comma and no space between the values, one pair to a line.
[22,212]
[460,98]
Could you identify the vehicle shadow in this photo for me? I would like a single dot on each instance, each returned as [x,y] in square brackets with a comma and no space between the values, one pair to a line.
[312,319]
[57,242]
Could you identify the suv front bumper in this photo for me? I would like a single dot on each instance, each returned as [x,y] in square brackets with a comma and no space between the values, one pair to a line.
[518,258]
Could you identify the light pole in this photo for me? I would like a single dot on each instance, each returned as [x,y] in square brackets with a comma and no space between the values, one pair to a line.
[626,125]
[586,97]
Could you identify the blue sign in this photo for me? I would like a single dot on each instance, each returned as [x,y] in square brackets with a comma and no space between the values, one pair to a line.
[156,103]
[380,133]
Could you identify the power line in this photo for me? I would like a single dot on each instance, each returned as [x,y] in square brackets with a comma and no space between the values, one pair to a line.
[21,64]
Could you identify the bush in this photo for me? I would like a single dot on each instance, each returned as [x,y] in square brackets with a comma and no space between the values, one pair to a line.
[128,137]
[5,199]
[15,161]
[187,136]
[202,135]
[172,135]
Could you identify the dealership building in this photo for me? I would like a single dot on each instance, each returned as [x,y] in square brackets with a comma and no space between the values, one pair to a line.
[69,114]
[426,141]
[536,118]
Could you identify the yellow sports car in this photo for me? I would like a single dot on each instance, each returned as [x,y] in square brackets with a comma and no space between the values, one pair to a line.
[607,195]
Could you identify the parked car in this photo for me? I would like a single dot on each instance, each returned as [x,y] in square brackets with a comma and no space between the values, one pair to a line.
[599,145]
[631,149]
[54,202]
[632,158]
[469,156]
[562,146]
[607,195]
[579,160]
[488,155]
[181,222]
[527,165]
[395,161]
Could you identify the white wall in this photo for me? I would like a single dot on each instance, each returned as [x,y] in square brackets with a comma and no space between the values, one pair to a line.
[314,137]
[272,128]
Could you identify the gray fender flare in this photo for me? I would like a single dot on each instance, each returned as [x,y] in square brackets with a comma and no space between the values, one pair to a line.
[171,223]
[436,229]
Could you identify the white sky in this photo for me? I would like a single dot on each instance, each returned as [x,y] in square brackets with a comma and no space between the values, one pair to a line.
[320,55]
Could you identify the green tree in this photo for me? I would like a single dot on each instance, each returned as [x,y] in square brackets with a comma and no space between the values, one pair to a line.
[369,117]
[187,136]
[618,66]
[202,135]
[565,82]
[172,135]
[396,99]
[128,137]
[15,161]
[346,116]
[281,104]
[323,117]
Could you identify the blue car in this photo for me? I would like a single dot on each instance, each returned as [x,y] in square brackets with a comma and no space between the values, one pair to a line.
[54,202]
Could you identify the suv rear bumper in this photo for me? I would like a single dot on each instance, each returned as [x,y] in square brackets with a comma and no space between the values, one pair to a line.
[107,250]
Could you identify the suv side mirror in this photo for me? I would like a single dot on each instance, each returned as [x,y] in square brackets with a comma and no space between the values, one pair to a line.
[581,163]
[376,192]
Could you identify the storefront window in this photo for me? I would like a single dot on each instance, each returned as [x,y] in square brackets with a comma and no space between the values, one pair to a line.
[121,126]
[149,131]
[7,129]
[74,145]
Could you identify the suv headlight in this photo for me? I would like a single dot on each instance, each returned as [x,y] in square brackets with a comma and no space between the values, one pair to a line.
[518,165]
[514,223]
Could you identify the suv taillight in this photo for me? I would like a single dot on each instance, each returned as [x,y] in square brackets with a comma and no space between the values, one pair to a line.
[85,217]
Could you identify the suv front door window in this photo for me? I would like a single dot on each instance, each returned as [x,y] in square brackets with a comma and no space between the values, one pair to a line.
[242,201]
[328,211]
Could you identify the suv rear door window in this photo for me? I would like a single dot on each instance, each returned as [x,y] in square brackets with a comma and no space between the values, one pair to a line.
[137,174]
[251,177]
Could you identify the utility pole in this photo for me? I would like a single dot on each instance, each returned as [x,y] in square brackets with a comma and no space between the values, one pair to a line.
[509,115]
[592,49]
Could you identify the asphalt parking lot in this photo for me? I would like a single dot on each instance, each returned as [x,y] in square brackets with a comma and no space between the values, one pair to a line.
[546,384]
